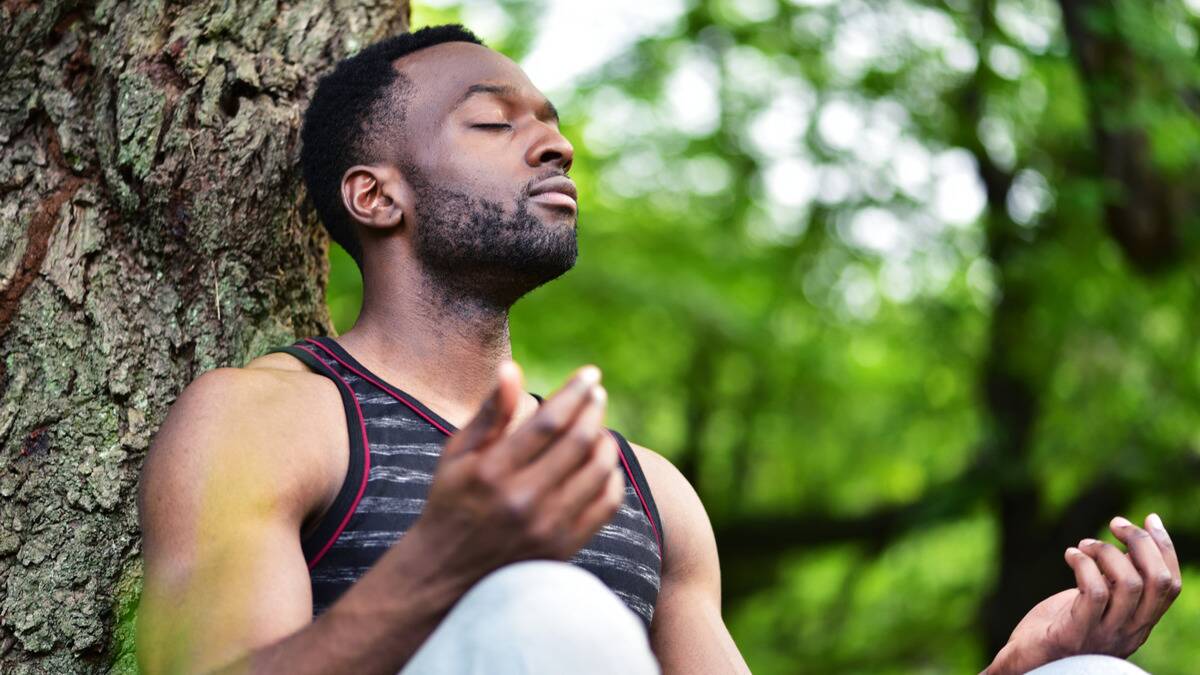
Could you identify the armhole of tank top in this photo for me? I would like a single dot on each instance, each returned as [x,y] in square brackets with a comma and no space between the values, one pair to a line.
[634,469]
[330,526]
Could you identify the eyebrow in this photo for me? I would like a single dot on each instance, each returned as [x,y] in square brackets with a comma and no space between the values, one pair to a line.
[547,111]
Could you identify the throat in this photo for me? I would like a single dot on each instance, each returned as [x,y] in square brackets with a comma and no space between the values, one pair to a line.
[443,349]
[468,323]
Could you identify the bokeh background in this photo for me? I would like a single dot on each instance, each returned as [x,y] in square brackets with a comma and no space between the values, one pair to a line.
[906,288]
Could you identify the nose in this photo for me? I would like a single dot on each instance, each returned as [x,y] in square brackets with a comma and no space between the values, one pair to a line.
[550,147]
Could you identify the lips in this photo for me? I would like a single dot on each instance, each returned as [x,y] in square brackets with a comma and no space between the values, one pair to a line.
[556,191]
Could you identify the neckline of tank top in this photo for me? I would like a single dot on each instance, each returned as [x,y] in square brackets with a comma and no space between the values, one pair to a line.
[369,375]
[354,365]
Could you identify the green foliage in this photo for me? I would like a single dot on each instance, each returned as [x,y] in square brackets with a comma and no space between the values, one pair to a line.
[840,259]
[344,293]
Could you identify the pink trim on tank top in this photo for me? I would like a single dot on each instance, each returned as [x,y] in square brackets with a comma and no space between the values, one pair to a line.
[362,486]
[638,490]
[382,386]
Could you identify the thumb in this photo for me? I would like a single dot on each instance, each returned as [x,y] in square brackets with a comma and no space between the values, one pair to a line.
[494,414]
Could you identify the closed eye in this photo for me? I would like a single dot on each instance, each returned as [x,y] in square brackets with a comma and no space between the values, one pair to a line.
[501,125]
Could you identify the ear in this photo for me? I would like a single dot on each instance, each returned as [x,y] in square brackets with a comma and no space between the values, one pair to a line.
[375,195]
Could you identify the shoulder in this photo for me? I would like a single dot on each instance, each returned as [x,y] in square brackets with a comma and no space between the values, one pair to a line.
[269,396]
[231,428]
[668,484]
[266,381]
[690,543]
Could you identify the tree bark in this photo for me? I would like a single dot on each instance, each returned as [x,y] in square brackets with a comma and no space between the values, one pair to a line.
[152,227]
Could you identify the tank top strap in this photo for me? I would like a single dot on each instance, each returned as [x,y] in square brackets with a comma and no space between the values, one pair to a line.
[337,357]
[321,536]
[633,468]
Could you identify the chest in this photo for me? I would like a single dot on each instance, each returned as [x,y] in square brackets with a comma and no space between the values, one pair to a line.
[400,459]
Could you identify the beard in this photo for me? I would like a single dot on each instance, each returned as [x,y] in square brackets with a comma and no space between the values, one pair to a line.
[475,252]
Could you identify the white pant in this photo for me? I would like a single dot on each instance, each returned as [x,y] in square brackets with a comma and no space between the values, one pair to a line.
[1089,664]
[551,617]
[537,617]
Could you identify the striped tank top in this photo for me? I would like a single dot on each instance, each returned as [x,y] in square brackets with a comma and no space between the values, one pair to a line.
[395,443]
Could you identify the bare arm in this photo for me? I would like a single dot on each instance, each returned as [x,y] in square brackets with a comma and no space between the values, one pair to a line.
[224,570]
[688,634]
[226,585]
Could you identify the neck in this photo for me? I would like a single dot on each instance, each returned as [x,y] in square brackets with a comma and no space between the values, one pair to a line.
[442,347]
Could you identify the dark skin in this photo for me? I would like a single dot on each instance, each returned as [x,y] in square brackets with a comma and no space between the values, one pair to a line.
[226,585]
[1118,599]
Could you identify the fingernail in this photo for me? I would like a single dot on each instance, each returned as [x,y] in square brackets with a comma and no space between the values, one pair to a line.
[1072,551]
[589,375]
[1088,542]
[1155,522]
[599,394]
[1121,522]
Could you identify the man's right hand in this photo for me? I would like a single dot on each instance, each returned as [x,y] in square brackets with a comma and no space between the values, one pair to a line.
[539,491]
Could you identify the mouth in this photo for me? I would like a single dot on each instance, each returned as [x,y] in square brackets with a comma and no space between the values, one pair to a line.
[556,192]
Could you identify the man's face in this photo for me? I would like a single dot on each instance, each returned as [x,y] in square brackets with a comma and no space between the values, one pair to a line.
[495,214]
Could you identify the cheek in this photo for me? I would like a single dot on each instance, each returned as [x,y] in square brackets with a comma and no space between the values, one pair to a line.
[482,170]
[471,162]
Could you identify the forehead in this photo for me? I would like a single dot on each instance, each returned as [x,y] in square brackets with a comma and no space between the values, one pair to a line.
[441,74]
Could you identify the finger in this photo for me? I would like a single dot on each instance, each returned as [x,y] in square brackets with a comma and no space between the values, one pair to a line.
[572,449]
[1158,532]
[583,486]
[1162,581]
[494,415]
[1156,577]
[1089,605]
[552,418]
[1125,584]
[600,511]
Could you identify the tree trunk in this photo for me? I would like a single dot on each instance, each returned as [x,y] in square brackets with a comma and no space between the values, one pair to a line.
[151,228]
[1147,207]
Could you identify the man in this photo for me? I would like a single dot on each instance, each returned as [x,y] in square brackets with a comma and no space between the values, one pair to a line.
[399,485]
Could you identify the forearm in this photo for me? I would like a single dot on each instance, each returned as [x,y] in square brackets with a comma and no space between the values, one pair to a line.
[689,636]
[1016,658]
[1005,663]
[376,626]
[708,651]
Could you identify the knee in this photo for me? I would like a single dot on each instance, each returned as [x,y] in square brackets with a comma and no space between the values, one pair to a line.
[549,587]
[1089,664]
[540,573]
[546,597]
[538,617]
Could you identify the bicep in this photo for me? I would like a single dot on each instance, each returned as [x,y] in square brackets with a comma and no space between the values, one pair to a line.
[244,590]
[688,634]
[224,572]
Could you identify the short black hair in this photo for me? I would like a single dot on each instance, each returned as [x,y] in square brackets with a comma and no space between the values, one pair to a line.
[348,107]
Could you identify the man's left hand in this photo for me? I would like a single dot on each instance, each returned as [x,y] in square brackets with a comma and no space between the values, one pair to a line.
[1118,599]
